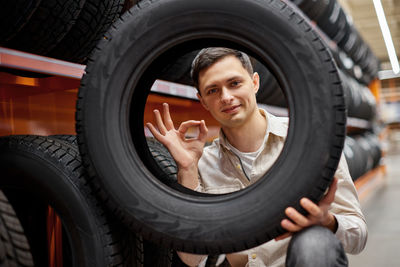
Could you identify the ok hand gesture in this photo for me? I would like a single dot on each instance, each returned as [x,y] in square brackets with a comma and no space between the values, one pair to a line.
[186,152]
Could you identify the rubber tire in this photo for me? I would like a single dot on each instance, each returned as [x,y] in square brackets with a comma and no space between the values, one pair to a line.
[331,28]
[14,15]
[67,138]
[47,26]
[39,170]
[164,160]
[314,9]
[376,147]
[14,247]
[178,71]
[147,253]
[110,120]
[93,21]
[360,102]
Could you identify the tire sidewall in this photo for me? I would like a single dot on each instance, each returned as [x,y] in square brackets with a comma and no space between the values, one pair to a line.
[53,185]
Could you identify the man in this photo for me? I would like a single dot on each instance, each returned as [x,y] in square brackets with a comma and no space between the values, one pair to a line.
[253,138]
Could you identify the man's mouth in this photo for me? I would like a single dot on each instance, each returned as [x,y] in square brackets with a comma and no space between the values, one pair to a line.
[231,109]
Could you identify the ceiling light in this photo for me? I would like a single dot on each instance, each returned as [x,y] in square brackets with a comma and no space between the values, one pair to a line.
[386,36]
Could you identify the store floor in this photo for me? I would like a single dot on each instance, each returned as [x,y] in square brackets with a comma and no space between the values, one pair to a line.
[382,212]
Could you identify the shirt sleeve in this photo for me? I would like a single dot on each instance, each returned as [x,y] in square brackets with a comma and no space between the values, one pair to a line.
[352,228]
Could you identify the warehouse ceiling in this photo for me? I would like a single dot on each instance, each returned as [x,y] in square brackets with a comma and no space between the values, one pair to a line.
[366,21]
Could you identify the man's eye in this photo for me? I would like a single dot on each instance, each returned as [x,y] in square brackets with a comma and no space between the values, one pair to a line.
[211,91]
[235,83]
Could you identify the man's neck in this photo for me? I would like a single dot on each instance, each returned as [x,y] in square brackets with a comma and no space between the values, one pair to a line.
[249,136]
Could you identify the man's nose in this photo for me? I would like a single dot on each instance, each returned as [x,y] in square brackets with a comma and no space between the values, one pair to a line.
[226,95]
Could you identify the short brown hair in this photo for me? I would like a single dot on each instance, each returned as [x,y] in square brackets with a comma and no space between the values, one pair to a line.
[208,56]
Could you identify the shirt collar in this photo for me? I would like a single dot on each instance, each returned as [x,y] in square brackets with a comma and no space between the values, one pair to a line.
[275,125]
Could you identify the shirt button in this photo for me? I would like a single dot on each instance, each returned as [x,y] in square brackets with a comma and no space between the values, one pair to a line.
[238,166]
[253,256]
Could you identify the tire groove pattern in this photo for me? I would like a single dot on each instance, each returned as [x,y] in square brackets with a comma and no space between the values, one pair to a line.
[14,247]
[47,26]
[94,19]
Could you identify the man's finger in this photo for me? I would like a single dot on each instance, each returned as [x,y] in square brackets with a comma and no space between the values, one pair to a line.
[203,131]
[169,124]
[183,128]
[311,207]
[160,123]
[290,226]
[154,131]
[297,217]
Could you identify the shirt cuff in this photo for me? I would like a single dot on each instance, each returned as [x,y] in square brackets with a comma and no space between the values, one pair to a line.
[351,233]
[341,229]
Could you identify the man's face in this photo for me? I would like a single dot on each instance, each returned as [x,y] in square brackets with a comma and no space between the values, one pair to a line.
[228,91]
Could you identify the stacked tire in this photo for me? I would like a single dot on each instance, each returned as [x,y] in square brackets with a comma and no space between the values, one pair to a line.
[360,102]
[38,172]
[337,25]
[358,67]
[363,153]
[67,30]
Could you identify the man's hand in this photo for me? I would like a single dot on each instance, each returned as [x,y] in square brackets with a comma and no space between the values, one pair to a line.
[318,214]
[186,152]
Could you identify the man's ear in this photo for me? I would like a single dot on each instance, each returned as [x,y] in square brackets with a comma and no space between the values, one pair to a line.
[202,101]
[256,82]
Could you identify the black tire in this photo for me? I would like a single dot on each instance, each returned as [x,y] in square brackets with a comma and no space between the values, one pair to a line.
[14,15]
[159,152]
[376,148]
[68,138]
[354,157]
[14,247]
[164,160]
[360,102]
[147,253]
[50,22]
[94,19]
[110,120]
[314,9]
[39,171]
[367,151]
[178,71]
[270,92]
[333,20]
[156,256]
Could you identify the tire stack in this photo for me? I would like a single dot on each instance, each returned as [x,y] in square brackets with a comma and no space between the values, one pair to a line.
[358,68]
[40,172]
[360,62]
[67,30]
[363,153]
